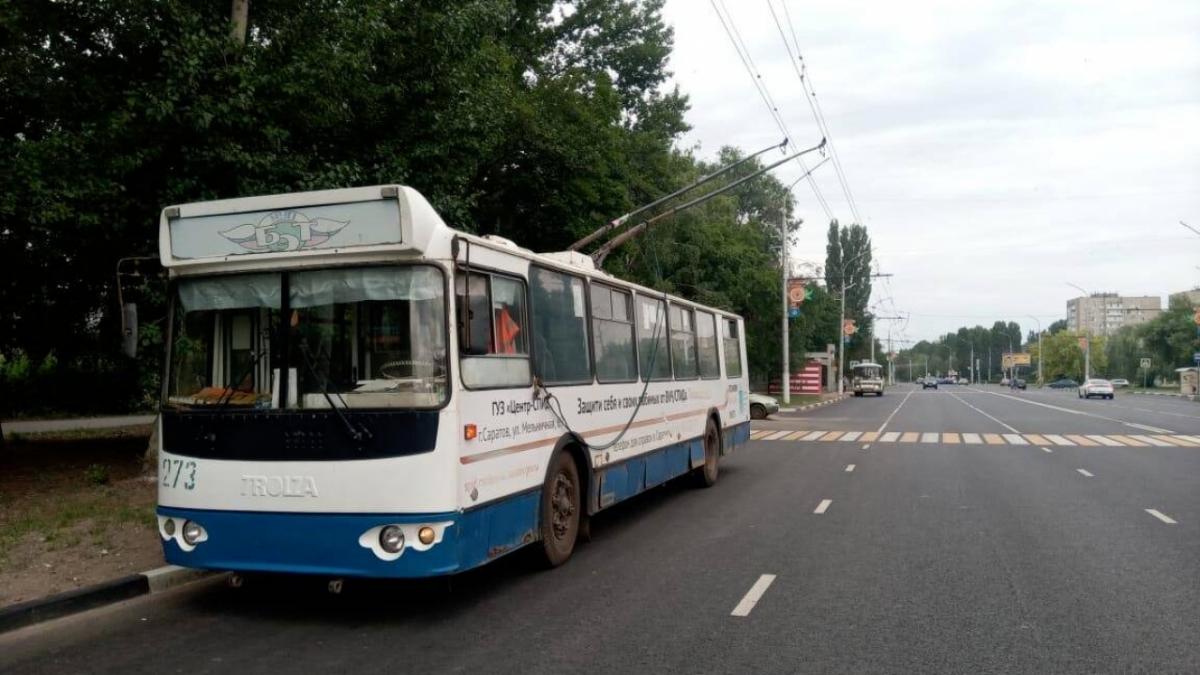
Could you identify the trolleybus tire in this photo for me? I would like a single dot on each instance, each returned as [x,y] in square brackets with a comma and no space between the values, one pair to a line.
[561,510]
[706,475]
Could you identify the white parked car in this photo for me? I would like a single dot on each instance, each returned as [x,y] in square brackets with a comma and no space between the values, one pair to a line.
[1120,382]
[1101,388]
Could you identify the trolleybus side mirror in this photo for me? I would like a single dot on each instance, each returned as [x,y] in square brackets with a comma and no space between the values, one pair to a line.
[129,330]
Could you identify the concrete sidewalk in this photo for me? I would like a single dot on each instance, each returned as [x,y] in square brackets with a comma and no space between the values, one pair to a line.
[81,423]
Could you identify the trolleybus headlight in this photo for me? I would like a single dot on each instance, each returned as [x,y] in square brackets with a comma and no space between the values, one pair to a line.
[391,539]
[192,532]
[425,534]
[169,527]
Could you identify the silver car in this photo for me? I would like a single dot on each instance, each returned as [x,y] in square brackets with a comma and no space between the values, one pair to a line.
[1101,388]
[761,406]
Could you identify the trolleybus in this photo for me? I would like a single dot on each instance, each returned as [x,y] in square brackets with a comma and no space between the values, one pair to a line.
[353,388]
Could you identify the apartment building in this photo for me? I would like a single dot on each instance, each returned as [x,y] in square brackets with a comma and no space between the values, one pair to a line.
[1104,313]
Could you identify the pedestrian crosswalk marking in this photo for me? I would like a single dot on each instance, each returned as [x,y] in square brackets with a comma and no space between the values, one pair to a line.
[968,438]
[1151,440]
[1128,441]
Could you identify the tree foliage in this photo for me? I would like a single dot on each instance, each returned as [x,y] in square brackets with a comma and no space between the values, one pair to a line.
[533,119]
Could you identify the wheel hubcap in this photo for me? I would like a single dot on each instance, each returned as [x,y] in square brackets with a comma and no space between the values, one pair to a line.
[562,505]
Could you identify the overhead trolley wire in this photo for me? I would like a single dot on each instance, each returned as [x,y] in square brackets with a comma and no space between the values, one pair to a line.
[760,85]
[810,95]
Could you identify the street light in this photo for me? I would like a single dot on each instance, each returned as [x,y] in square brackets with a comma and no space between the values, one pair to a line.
[1087,353]
[1041,354]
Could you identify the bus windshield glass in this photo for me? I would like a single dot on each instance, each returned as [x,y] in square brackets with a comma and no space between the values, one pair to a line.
[372,337]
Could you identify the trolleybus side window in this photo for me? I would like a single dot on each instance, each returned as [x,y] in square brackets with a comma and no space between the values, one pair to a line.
[683,342]
[493,335]
[706,345]
[612,334]
[732,348]
[653,352]
[560,339]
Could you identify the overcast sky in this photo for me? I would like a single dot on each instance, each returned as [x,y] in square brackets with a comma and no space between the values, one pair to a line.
[995,150]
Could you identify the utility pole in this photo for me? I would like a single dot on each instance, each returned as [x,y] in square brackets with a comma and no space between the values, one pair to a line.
[842,323]
[1041,354]
[786,380]
[972,365]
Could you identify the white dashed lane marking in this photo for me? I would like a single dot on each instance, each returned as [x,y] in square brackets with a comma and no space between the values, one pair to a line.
[1085,472]
[849,468]
[823,506]
[1158,514]
[752,596]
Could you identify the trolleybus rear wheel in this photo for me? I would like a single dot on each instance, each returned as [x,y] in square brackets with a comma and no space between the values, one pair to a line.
[706,475]
[560,510]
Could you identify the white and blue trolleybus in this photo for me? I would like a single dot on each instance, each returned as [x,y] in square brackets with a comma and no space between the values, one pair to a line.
[353,388]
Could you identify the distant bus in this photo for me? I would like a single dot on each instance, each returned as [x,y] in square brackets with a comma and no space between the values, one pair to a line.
[354,389]
[866,378]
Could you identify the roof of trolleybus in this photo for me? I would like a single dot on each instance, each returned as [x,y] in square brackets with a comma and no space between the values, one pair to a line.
[379,223]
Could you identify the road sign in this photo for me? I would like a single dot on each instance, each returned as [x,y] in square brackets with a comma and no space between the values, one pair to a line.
[1196,358]
[1146,364]
[848,327]
[793,312]
[797,293]
[1196,316]
[1083,343]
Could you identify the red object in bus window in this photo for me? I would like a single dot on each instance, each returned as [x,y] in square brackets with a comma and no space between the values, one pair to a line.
[506,332]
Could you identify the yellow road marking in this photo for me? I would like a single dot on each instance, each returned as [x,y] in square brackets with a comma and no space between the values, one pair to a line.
[950,437]
[993,439]
[1037,439]
[1127,440]
[910,437]
[869,437]
[1172,440]
[1081,440]
[832,436]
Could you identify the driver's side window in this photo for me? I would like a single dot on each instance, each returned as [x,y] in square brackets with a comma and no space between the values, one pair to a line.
[493,332]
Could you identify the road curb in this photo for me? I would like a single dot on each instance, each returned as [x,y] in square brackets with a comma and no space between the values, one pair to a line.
[63,604]
[826,402]
[1165,393]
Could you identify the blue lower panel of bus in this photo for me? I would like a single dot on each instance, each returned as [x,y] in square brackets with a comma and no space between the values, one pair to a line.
[328,544]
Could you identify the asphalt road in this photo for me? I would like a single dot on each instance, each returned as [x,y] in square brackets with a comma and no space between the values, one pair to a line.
[936,554]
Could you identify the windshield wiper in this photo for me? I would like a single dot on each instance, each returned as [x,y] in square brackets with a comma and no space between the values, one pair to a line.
[356,433]
[231,389]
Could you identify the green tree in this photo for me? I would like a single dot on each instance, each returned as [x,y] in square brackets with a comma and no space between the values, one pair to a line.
[536,120]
